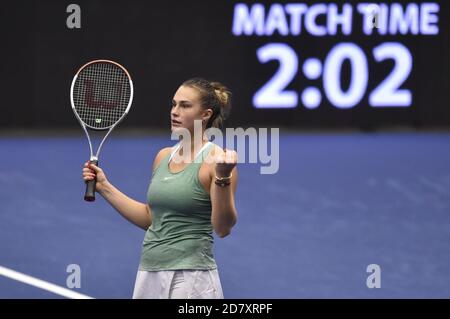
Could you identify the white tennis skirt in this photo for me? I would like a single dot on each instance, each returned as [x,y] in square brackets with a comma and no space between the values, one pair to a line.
[178,284]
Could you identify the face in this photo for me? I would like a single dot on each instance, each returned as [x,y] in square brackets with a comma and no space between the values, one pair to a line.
[186,108]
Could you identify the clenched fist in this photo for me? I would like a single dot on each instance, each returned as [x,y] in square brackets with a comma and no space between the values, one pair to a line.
[225,162]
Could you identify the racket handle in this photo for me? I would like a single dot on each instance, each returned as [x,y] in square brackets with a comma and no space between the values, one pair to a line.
[89,196]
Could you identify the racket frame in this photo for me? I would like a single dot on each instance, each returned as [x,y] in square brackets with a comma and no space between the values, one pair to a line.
[90,185]
[109,128]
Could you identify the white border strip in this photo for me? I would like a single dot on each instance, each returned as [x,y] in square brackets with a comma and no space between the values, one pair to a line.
[12,274]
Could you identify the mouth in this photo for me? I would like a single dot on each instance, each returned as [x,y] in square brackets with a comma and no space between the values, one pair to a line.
[175,122]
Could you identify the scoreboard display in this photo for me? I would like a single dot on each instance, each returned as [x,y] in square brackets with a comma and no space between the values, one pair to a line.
[343,63]
[297,18]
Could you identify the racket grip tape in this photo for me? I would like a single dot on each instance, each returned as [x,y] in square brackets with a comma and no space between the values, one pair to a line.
[89,196]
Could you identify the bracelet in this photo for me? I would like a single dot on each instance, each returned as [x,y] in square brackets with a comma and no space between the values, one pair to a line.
[222,183]
[224,178]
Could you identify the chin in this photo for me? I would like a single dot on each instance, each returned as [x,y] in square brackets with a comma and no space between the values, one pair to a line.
[175,128]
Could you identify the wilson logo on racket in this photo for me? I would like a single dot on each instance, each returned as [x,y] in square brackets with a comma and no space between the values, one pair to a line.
[105,90]
[101,96]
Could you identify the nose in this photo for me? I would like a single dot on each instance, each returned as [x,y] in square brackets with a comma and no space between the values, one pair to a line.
[174,111]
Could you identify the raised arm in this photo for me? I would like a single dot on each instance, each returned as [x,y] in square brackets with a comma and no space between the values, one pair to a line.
[224,214]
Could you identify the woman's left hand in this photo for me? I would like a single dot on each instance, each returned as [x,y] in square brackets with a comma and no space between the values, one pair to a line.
[225,162]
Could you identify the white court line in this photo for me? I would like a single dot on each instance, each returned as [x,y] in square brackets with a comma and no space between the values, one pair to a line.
[12,274]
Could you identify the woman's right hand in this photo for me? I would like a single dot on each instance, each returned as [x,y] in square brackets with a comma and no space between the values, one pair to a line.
[91,171]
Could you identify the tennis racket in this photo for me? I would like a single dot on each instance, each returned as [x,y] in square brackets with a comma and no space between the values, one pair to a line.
[101,96]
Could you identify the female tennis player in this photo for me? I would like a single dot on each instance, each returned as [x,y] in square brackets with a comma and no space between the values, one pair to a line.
[187,199]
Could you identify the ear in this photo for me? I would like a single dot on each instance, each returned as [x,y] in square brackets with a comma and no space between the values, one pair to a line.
[207,114]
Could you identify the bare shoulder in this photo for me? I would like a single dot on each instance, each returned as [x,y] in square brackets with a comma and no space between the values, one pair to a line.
[161,154]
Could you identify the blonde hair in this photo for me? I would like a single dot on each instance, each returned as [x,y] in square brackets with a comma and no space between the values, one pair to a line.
[213,95]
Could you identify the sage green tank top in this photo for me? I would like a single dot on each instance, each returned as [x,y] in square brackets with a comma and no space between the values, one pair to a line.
[180,236]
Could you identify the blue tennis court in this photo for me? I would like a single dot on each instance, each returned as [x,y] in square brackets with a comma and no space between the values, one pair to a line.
[339,202]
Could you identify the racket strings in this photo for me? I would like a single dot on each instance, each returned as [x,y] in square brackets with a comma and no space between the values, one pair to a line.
[101,94]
